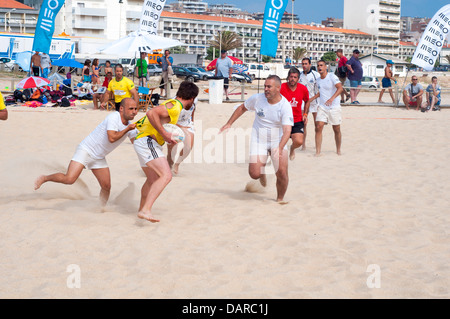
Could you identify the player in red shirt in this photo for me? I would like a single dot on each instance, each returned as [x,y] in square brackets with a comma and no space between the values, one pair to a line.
[342,77]
[297,94]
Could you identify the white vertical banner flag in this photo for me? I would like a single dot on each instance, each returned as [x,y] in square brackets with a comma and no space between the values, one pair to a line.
[151,12]
[433,38]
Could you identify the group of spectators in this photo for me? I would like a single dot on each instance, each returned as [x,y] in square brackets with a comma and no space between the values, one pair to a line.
[40,64]
[352,70]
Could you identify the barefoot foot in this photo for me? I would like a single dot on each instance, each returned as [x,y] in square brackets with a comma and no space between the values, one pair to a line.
[147,216]
[39,181]
[292,154]
[263,180]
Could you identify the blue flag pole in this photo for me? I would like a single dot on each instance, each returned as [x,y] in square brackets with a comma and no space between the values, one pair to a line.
[45,26]
[272,18]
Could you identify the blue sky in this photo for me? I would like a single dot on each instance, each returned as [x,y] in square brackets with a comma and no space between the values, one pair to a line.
[316,11]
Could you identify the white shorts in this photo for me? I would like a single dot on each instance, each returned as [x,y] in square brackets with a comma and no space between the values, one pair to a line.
[333,116]
[82,156]
[313,107]
[147,149]
[190,129]
[263,146]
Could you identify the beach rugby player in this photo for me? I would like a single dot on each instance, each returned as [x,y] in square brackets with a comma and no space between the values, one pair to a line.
[149,141]
[271,131]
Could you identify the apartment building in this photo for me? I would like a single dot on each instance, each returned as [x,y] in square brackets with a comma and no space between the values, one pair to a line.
[198,30]
[16,17]
[92,23]
[380,18]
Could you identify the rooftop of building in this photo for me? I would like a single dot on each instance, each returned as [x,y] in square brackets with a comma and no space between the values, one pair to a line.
[257,23]
[11,4]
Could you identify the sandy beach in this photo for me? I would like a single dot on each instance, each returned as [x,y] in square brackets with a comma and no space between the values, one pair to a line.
[372,223]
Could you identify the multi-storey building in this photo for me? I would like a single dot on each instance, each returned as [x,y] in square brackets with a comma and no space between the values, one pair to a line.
[380,18]
[95,22]
[17,17]
[190,6]
[198,30]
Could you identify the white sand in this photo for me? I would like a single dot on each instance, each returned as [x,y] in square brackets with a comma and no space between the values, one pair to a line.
[384,202]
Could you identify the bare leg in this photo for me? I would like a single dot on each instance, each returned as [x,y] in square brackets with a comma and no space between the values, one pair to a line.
[171,149]
[281,163]
[406,101]
[297,141]
[419,103]
[73,172]
[319,130]
[392,95]
[104,179]
[188,145]
[256,168]
[337,138]
[381,96]
[156,186]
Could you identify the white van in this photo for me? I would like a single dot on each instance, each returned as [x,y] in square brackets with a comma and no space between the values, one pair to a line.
[128,65]
[258,70]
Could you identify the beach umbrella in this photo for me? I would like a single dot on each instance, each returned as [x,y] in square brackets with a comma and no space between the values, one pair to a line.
[68,63]
[212,65]
[139,41]
[32,82]
[239,68]
[23,59]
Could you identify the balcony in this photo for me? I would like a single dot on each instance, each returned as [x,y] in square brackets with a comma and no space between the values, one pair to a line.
[93,25]
[93,12]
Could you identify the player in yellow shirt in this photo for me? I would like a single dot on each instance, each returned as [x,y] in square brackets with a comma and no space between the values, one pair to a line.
[149,141]
[122,87]
[3,110]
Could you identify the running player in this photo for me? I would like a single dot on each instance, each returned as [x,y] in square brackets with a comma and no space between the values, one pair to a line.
[91,152]
[149,142]
[296,93]
[271,132]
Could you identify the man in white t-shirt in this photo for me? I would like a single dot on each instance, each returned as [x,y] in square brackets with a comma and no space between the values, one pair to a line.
[91,152]
[270,134]
[309,79]
[46,64]
[329,112]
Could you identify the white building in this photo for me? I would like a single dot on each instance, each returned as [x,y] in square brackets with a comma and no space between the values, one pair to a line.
[380,18]
[198,30]
[374,65]
[17,17]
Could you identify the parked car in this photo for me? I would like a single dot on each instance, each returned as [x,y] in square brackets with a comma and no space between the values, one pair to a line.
[367,82]
[204,74]
[241,77]
[154,69]
[9,65]
[186,74]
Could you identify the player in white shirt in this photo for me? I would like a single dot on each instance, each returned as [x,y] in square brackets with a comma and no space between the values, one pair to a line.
[186,122]
[91,152]
[329,112]
[270,134]
[309,79]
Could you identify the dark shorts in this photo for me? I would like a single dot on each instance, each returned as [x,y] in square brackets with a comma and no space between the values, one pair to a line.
[117,106]
[226,81]
[36,70]
[386,83]
[298,128]
[163,86]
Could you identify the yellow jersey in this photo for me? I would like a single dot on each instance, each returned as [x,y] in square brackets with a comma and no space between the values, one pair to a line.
[145,128]
[2,102]
[121,89]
